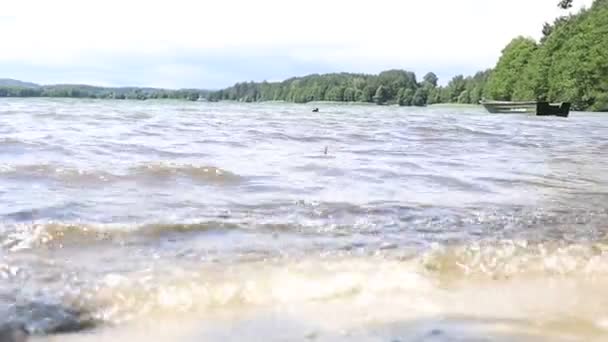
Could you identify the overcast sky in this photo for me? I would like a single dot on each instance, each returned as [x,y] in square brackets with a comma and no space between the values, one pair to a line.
[212,44]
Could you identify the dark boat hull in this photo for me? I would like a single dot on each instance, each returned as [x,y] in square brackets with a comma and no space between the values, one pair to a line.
[547,109]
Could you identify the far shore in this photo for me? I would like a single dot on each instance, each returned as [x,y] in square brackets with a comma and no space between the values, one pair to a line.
[335,103]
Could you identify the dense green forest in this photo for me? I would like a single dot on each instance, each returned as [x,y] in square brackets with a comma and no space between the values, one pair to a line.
[14,88]
[389,87]
[569,63]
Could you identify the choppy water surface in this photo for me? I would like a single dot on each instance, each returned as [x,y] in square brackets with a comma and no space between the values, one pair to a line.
[175,221]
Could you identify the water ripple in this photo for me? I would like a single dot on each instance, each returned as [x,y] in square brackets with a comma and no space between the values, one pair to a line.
[117,210]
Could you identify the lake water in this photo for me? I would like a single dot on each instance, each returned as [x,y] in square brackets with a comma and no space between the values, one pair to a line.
[178,221]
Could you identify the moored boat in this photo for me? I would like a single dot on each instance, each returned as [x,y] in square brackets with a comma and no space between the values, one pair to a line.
[527,107]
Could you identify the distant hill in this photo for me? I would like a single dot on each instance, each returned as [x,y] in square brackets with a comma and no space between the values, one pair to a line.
[9,82]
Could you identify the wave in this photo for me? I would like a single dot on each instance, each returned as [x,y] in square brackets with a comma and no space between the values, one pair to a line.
[17,145]
[21,236]
[64,174]
[516,258]
[306,138]
[499,257]
[10,141]
[145,172]
[456,130]
[373,222]
[542,286]
[541,283]
[59,235]
[29,236]
[203,174]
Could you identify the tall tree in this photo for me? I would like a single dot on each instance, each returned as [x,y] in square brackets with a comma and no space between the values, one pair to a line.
[381,96]
[565,4]
[420,97]
[510,67]
[405,97]
[431,79]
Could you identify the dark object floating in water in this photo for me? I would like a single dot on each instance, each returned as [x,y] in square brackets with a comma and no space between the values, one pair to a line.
[546,108]
[34,318]
[13,333]
[315,110]
[325,152]
[528,107]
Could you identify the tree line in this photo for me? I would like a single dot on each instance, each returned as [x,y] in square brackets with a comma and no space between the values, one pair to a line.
[389,87]
[569,63]
[85,91]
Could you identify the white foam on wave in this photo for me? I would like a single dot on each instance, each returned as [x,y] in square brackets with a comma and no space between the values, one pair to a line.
[360,296]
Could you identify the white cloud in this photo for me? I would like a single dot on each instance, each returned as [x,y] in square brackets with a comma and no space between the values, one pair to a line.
[344,35]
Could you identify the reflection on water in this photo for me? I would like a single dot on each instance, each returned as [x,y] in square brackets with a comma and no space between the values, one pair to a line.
[165,221]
